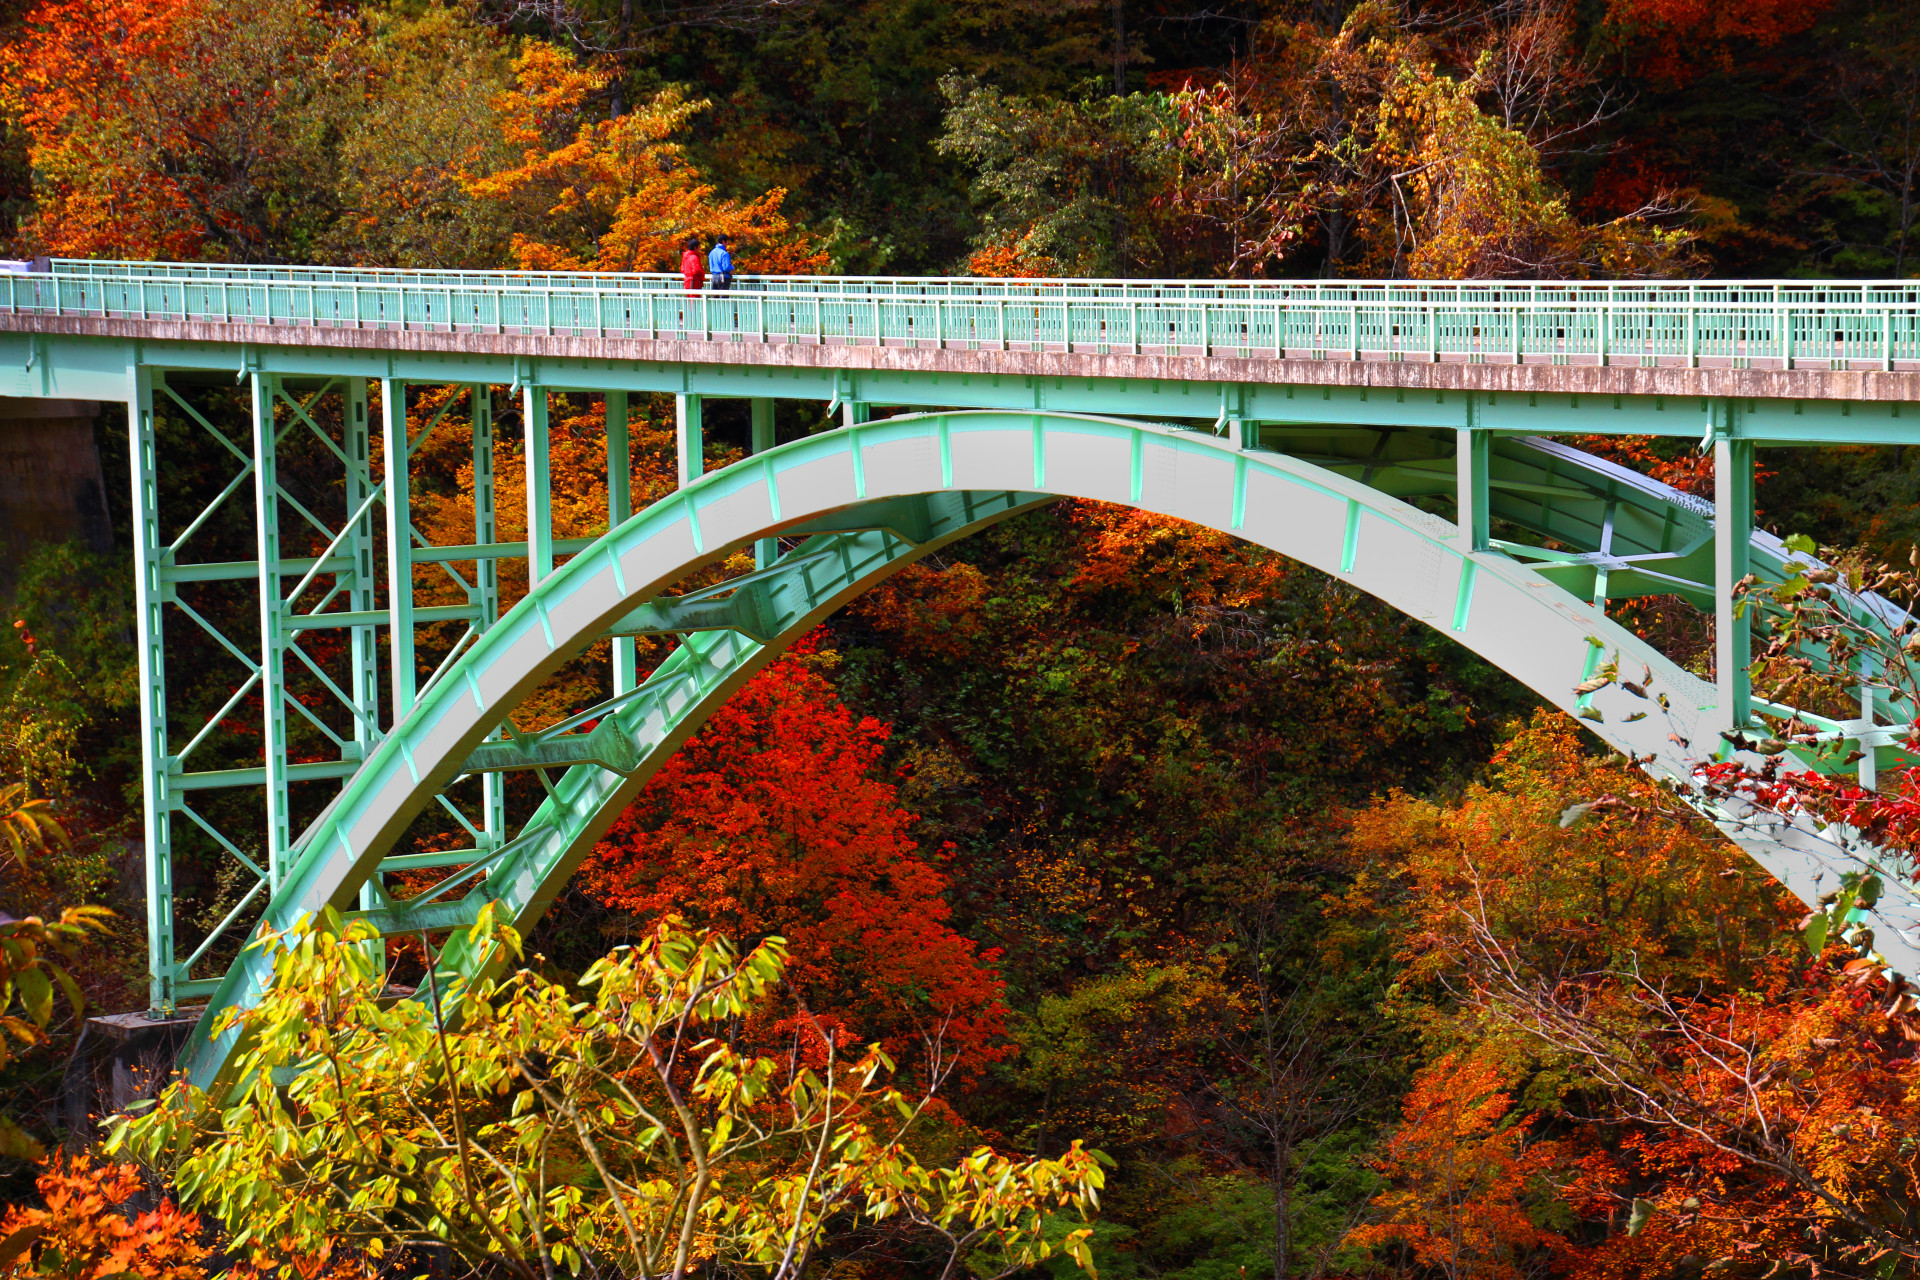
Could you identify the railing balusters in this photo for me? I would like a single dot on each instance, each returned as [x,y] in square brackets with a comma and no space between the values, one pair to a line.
[1556,322]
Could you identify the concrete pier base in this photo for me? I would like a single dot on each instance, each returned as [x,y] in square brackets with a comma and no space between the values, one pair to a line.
[121,1059]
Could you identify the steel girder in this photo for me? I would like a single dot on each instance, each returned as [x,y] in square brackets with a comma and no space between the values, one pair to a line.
[871,497]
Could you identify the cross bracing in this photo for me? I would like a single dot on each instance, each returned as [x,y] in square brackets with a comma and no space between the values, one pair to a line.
[376,678]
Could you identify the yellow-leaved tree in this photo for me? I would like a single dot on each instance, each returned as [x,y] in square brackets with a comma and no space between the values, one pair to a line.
[1471,200]
[619,194]
[545,1131]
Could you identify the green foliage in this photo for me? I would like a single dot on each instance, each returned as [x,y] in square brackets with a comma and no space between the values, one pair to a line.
[67,669]
[1061,183]
[30,980]
[419,115]
[544,1131]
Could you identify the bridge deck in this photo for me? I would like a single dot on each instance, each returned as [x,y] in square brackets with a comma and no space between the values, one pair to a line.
[1756,340]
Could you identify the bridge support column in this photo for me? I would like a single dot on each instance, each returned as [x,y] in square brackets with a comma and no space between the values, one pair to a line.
[619,508]
[766,550]
[1733,532]
[273,636]
[855,412]
[1470,488]
[486,580]
[148,594]
[539,488]
[689,438]
[394,443]
[363,689]
[362,596]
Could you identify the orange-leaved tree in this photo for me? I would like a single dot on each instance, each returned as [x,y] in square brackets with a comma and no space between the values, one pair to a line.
[619,194]
[86,1233]
[155,131]
[1756,1106]
[1763,1130]
[1460,1172]
[771,821]
[1577,862]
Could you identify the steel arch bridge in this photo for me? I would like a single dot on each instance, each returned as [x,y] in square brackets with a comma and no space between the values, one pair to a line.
[1313,420]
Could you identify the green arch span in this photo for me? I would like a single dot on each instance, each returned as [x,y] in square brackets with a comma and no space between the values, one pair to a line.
[875,497]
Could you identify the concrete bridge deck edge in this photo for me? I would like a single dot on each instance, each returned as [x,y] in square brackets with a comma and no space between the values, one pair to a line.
[1875,385]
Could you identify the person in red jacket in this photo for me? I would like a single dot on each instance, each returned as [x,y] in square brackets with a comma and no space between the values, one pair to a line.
[693,267]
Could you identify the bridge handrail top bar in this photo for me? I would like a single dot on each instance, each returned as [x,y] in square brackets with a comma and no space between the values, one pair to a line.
[1810,325]
[102,269]
[592,287]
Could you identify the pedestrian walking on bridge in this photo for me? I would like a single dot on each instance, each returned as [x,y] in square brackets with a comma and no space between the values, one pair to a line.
[720,264]
[693,269]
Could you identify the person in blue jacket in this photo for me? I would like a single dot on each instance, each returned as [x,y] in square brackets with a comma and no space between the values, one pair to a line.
[720,265]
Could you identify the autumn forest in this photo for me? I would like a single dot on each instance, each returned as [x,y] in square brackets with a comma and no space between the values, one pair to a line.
[1100,893]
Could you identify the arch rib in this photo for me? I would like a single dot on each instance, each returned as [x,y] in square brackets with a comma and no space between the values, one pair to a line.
[877,496]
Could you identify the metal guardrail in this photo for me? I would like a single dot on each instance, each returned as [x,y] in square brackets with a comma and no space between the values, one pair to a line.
[1784,324]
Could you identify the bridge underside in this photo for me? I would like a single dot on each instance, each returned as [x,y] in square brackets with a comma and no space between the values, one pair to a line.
[1430,486]
[1840,402]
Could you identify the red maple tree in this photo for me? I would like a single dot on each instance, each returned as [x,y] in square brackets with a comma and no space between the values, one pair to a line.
[771,821]
[86,1231]
[1459,1172]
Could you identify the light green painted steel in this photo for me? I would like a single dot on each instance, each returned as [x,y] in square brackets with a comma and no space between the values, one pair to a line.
[1342,291]
[485,591]
[1744,324]
[397,448]
[760,439]
[273,636]
[539,482]
[1733,641]
[619,508]
[870,497]
[149,591]
[689,438]
[1659,545]
[1612,536]
[35,362]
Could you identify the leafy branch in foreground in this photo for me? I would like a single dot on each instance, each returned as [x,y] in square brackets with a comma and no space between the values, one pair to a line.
[1774,1124]
[543,1134]
[30,982]
[1835,682]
